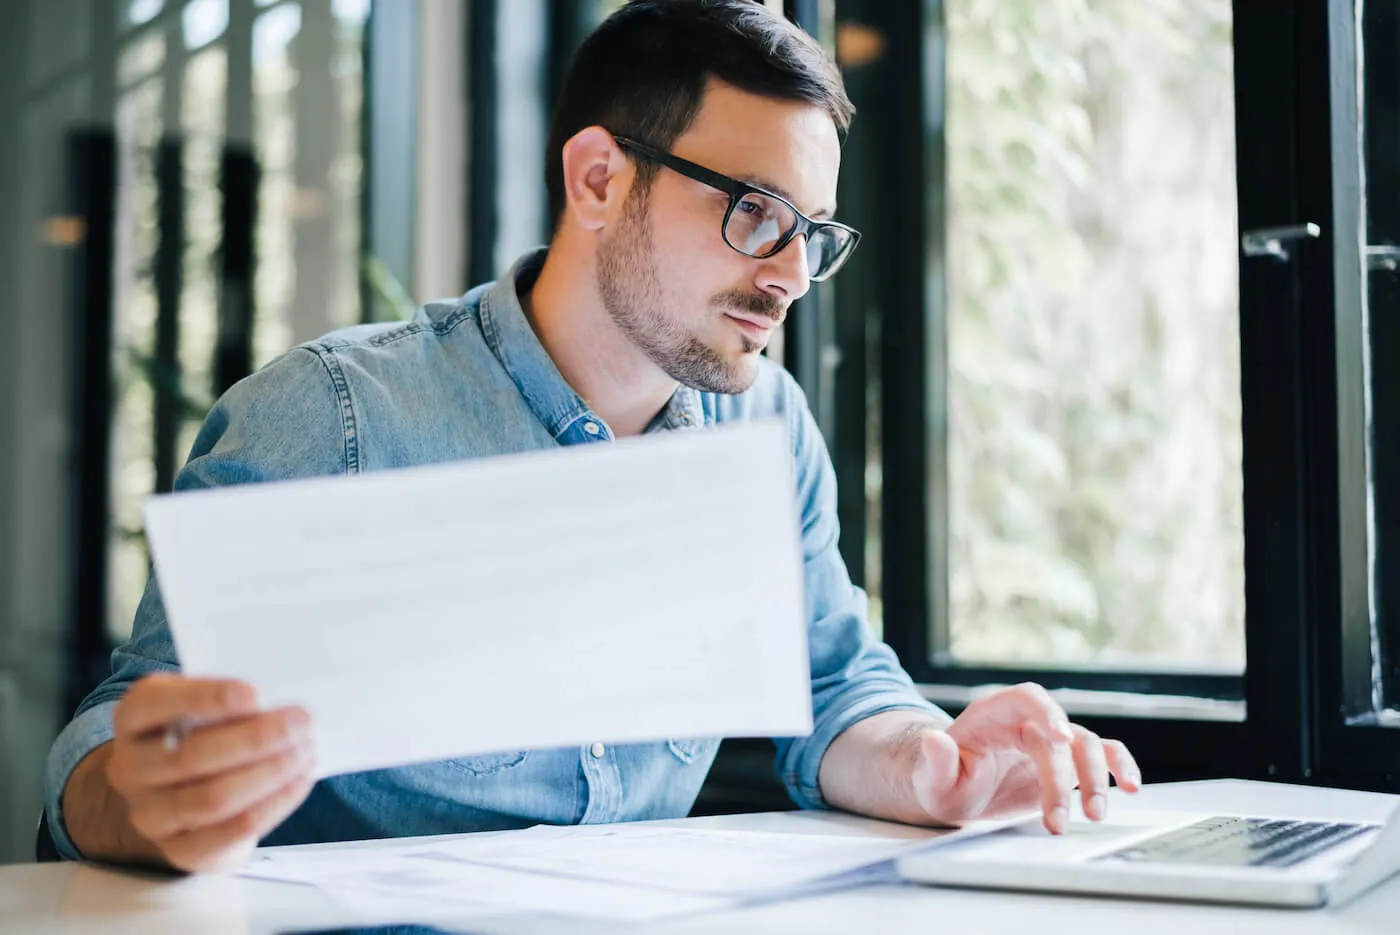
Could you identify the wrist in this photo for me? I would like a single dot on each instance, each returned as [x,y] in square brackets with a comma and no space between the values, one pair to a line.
[97,818]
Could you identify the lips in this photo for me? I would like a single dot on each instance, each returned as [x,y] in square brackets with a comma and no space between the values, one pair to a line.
[755,331]
[756,325]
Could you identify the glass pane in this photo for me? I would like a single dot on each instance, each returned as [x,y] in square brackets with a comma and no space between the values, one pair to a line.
[275,139]
[202,122]
[352,13]
[1095,493]
[307,86]
[204,21]
[139,128]
[344,175]
[521,211]
[143,11]
[140,58]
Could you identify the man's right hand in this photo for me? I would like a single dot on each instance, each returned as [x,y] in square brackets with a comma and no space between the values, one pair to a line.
[201,804]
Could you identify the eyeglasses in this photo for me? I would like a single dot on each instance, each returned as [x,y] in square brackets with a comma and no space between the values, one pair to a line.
[758,223]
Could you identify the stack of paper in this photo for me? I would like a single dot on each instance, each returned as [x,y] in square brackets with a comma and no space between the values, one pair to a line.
[619,872]
[693,861]
[397,885]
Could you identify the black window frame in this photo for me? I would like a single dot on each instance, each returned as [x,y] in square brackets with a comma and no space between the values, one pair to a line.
[1357,741]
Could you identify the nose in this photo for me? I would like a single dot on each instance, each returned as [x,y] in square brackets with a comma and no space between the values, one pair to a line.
[785,273]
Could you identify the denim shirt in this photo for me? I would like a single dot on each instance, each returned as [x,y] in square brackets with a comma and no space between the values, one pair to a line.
[469,379]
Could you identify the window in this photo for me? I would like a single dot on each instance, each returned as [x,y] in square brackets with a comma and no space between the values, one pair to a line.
[1102,384]
[1085,501]
[191,83]
[307,97]
[1093,509]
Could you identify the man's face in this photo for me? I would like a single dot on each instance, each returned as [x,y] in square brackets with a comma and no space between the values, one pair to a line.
[699,309]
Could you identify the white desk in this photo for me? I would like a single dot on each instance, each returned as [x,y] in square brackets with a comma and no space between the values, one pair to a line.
[68,899]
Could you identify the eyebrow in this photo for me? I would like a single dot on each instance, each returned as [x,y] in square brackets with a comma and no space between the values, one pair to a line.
[819,215]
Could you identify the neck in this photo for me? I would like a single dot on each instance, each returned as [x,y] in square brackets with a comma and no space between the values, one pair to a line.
[615,379]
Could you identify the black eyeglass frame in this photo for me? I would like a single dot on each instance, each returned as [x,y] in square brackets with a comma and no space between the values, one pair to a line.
[736,190]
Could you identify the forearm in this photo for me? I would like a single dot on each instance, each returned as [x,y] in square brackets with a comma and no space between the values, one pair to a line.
[869,766]
[97,817]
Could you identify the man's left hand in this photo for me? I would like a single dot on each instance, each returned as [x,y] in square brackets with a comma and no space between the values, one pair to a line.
[1012,750]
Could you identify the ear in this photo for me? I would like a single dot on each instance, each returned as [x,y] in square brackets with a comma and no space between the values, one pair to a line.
[597,177]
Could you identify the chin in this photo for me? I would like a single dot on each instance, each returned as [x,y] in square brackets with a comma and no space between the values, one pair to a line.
[742,374]
[730,379]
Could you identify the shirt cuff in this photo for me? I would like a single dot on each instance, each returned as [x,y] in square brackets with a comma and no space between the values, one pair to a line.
[804,760]
[84,733]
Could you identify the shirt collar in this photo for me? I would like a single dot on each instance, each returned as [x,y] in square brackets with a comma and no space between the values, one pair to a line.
[553,401]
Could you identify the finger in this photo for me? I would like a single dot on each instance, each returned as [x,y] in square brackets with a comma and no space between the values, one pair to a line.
[215,748]
[161,699]
[204,803]
[225,845]
[1122,765]
[1012,708]
[1055,770]
[1092,766]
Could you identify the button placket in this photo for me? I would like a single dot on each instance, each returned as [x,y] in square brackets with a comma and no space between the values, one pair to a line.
[604,785]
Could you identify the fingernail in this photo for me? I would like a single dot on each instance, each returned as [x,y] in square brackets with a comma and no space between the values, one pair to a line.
[1059,819]
[1097,807]
[1062,729]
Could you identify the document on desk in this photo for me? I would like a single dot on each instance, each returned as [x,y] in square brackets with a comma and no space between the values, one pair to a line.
[620,871]
[394,884]
[627,592]
[695,861]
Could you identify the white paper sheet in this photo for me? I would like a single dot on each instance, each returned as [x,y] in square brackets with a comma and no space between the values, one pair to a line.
[630,592]
[698,861]
[620,872]
[393,884]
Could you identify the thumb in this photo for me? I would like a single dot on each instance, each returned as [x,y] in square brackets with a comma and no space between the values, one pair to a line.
[936,772]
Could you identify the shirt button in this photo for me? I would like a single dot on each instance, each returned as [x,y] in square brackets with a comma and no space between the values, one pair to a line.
[597,750]
[592,429]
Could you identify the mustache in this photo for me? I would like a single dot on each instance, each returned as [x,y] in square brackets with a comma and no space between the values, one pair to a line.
[754,303]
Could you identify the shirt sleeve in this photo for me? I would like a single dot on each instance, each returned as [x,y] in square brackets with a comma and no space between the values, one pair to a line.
[286,420]
[854,675]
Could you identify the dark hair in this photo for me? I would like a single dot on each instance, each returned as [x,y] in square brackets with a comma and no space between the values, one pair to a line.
[642,73]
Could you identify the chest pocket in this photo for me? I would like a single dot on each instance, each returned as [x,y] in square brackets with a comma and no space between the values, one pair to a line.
[688,750]
[488,765]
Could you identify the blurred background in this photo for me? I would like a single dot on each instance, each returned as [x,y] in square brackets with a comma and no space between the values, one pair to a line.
[1031,375]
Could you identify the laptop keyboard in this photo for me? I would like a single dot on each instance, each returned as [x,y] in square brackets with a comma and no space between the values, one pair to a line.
[1241,842]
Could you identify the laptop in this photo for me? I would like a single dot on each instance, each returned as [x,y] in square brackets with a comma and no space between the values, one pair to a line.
[1241,859]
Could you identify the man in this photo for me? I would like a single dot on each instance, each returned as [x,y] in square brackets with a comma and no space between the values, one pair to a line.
[692,170]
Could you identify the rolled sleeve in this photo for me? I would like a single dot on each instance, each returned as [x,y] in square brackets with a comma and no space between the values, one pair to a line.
[149,650]
[802,764]
[84,734]
[854,675]
[869,681]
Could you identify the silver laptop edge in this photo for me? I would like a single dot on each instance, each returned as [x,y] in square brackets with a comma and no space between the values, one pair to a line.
[1374,865]
[1315,882]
